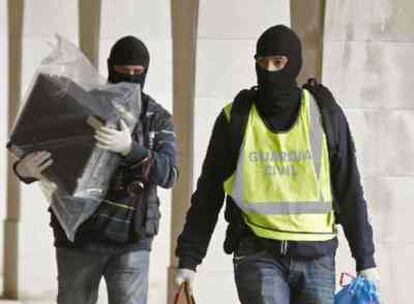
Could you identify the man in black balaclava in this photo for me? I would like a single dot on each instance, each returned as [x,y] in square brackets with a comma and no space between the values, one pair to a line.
[115,242]
[278,63]
[266,157]
[128,61]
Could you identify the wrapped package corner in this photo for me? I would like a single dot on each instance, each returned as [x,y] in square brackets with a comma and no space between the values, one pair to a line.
[60,115]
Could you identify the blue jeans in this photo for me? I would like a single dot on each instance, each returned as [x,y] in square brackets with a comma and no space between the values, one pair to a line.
[80,272]
[265,278]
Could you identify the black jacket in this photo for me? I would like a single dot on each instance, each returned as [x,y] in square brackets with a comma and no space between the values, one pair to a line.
[220,162]
[154,164]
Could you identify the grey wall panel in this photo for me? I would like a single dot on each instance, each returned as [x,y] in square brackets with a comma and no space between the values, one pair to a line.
[368,64]
[398,146]
[370,20]
[224,68]
[370,74]
[396,269]
[392,201]
[146,19]
[365,127]
[232,20]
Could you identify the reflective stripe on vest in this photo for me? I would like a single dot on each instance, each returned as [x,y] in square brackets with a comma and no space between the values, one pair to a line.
[282,181]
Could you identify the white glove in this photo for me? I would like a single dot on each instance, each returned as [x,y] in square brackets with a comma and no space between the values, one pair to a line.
[371,274]
[185,275]
[114,140]
[33,164]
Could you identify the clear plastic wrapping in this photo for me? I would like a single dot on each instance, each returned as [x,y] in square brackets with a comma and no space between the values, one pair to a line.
[64,105]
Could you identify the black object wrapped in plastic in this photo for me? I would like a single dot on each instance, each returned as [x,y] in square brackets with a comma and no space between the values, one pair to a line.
[60,116]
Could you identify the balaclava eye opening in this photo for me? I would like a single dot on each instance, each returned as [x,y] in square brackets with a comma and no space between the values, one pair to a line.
[277,90]
[128,51]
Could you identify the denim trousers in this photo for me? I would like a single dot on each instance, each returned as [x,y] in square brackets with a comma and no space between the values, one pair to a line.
[80,272]
[263,277]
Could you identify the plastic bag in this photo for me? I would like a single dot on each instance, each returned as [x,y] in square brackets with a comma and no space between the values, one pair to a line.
[359,291]
[66,102]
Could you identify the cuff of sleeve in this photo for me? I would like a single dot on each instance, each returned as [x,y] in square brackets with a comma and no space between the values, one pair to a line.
[187,263]
[26,180]
[137,153]
[365,262]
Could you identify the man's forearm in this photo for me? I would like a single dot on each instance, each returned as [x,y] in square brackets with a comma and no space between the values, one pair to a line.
[350,198]
[207,200]
[200,223]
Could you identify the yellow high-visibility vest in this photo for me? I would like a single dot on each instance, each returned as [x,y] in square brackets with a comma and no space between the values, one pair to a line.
[282,181]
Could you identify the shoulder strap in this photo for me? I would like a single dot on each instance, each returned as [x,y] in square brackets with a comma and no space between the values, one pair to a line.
[330,130]
[325,102]
[239,115]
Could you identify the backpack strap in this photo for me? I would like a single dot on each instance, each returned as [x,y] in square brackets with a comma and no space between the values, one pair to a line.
[330,130]
[239,115]
[326,102]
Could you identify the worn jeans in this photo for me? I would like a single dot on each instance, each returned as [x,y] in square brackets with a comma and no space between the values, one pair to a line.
[80,272]
[266,278]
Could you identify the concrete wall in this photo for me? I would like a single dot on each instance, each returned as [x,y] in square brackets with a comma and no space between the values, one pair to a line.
[368,63]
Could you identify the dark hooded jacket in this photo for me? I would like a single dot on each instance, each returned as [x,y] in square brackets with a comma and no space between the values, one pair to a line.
[152,163]
[277,98]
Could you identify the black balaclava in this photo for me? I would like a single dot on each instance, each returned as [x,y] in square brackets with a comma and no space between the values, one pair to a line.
[128,50]
[278,94]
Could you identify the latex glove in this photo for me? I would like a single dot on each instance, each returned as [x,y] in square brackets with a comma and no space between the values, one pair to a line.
[33,164]
[185,275]
[114,140]
[371,274]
